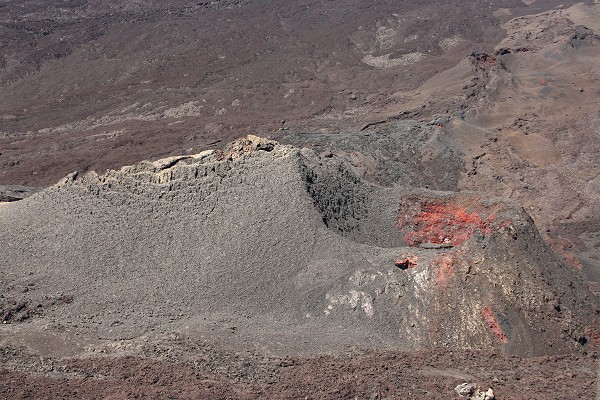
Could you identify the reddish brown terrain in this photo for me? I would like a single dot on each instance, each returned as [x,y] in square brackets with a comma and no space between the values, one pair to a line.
[92,85]
[420,208]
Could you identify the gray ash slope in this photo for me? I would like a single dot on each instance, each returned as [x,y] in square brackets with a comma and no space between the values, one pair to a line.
[270,237]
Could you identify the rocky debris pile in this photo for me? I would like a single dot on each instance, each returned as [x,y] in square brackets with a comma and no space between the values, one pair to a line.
[244,146]
[267,239]
[472,392]
[482,60]
[583,36]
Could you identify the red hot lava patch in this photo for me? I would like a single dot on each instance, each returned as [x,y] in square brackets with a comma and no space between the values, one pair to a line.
[439,223]
[492,322]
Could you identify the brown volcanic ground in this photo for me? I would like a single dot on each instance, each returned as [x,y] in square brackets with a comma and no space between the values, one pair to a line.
[87,86]
[96,85]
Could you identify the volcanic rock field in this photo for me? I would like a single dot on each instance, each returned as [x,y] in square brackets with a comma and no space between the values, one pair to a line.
[243,199]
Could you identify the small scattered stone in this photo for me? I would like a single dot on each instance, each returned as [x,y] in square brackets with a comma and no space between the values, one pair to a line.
[465,389]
